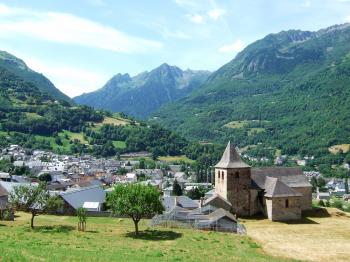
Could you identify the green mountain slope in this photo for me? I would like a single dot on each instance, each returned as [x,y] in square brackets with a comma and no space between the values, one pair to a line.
[288,91]
[34,119]
[17,67]
[141,95]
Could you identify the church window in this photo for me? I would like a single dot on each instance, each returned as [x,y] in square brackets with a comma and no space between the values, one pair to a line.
[287,203]
[236,175]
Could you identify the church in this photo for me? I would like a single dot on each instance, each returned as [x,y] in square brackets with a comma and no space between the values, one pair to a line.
[280,193]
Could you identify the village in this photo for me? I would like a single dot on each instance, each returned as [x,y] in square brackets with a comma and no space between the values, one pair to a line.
[85,181]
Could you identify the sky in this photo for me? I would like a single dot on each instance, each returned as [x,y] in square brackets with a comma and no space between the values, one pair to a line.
[79,45]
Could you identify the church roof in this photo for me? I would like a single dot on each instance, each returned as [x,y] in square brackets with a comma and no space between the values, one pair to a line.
[274,187]
[292,177]
[231,159]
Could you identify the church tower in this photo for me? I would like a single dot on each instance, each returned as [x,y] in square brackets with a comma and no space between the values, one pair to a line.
[233,180]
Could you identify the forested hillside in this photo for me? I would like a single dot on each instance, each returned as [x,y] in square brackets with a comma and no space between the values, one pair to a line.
[18,68]
[141,95]
[36,120]
[288,91]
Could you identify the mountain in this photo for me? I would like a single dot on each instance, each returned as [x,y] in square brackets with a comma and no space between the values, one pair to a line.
[289,91]
[143,94]
[17,67]
[35,119]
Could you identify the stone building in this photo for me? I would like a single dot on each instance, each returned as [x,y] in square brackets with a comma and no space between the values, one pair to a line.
[279,193]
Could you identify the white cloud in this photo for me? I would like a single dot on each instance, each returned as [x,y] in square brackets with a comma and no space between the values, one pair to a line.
[347,19]
[235,47]
[70,80]
[196,18]
[216,13]
[69,29]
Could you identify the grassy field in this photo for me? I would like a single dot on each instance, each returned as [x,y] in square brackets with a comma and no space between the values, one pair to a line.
[55,238]
[237,124]
[119,144]
[72,136]
[172,159]
[117,121]
[336,148]
[322,236]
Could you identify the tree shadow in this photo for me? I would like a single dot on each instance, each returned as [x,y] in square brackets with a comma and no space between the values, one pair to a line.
[91,231]
[155,235]
[53,229]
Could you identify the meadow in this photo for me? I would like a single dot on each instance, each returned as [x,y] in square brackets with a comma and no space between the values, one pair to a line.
[323,235]
[55,238]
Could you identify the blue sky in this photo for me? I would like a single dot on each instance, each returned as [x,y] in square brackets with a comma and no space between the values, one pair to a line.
[80,44]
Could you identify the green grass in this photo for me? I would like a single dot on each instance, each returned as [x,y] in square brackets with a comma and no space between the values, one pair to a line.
[177,159]
[72,136]
[119,144]
[55,238]
[255,130]
[33,116]
[237,124]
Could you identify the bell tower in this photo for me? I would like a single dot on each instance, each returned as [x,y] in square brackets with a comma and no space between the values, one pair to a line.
[233,181]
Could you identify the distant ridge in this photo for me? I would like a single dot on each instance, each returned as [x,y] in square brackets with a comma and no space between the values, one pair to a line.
[146,92]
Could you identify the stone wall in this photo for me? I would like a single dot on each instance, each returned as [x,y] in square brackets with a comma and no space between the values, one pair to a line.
[234,186]
[306,199]
[277,210]
[238,190]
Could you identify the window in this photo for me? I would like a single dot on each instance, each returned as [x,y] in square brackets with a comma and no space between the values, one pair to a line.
[287,203]
[236,175]
[219,175]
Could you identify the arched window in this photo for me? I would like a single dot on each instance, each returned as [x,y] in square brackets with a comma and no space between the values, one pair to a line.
[222,175]
[219,174]
[236,175]
[287,203]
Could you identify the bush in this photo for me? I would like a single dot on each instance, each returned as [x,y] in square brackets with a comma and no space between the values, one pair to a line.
[336,202]
[321,203]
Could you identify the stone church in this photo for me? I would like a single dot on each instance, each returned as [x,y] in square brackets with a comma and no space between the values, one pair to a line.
[280,193]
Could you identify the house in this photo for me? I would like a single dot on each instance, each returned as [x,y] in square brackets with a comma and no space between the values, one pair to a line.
[131,177]
[92,206]
[75,198]
[279,193]
[3,198]
[181,201]
[323,195]
[5,176]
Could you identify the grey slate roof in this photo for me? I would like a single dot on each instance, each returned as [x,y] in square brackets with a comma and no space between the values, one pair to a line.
[182,201]
[218,201]
[77,197]
[220,213]
[276,188]
[292,177]
[231,159]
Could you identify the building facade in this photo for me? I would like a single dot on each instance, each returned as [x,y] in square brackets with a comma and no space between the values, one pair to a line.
[279,193]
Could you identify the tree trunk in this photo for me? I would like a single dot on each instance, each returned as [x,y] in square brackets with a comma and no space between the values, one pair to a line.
[32,221]
[136,222]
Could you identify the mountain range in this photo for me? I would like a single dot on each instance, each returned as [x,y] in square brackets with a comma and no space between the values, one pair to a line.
[289,91]
[144,93]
